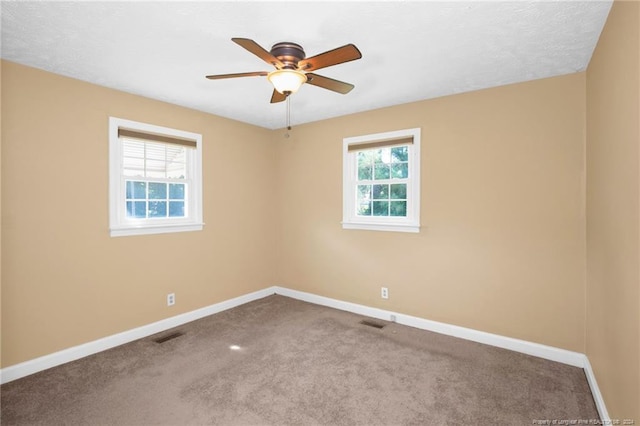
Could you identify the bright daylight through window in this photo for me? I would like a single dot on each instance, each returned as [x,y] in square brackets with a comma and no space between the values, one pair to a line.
[381,181]
[155,179]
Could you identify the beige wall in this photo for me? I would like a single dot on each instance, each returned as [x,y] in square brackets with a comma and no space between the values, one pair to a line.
[502,242]
[613,214]
[501,248]
[64,280]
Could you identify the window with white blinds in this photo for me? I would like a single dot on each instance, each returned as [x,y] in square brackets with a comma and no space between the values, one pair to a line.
[381,181]
[155,179]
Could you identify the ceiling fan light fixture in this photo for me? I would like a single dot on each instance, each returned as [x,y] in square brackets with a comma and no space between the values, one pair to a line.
[287,80]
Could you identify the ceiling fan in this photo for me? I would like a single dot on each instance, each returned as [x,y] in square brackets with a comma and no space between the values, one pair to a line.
[293,68]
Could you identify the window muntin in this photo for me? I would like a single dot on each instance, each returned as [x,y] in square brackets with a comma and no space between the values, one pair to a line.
[155,179]
[381,181]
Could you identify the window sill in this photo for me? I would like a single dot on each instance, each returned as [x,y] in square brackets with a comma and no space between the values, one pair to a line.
[148,230]
[392,227]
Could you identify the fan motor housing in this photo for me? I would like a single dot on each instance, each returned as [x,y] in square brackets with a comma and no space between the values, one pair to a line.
[289,53]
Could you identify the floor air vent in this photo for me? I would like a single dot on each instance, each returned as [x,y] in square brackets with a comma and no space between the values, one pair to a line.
[168,337]
[372,324]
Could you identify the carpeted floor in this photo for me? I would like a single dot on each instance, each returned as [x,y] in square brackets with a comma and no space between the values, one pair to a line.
[300,364]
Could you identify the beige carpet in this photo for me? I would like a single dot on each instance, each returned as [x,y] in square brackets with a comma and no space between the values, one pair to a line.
[300,364]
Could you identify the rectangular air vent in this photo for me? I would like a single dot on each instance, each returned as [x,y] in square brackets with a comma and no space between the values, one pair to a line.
[168,337]
[371,324]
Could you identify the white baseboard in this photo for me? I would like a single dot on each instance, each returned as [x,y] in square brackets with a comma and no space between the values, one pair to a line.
[595,391]
[575,359]
[551,353]
[535,349]
[76,352]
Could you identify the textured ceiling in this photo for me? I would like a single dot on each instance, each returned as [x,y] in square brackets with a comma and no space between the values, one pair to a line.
[411,50]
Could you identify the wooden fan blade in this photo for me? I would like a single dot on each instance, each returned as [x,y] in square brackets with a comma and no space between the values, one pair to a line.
[329,83]
[259,51]
[336,56]
[240,74]
[277,97]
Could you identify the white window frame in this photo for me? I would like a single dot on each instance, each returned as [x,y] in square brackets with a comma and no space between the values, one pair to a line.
[350,220]
[119,224]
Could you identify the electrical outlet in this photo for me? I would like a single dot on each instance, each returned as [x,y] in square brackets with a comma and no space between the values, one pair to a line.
[384,293]
[171,299]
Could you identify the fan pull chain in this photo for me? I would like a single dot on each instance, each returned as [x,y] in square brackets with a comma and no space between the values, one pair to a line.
[288,112]
[286,135]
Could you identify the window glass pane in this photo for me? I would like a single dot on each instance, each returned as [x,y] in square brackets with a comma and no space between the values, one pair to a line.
[380,192]
[176,208]
[400,171]
[155,174]
[381,171]
[156,168]
[383,156]
[176,191]
[176,170]
[137,209]
[381,208]
[399,153]
[399,191]
[364,192]
[137,189]
[133,166]
[157,190]
[364,171]
[364,208]
[398,208]
[157,209]
[364,165]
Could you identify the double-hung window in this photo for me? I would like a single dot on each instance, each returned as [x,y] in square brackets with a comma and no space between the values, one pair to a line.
[381,181]
[155,179]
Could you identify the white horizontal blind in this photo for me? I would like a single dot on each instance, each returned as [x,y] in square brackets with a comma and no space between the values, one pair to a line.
[153,160]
